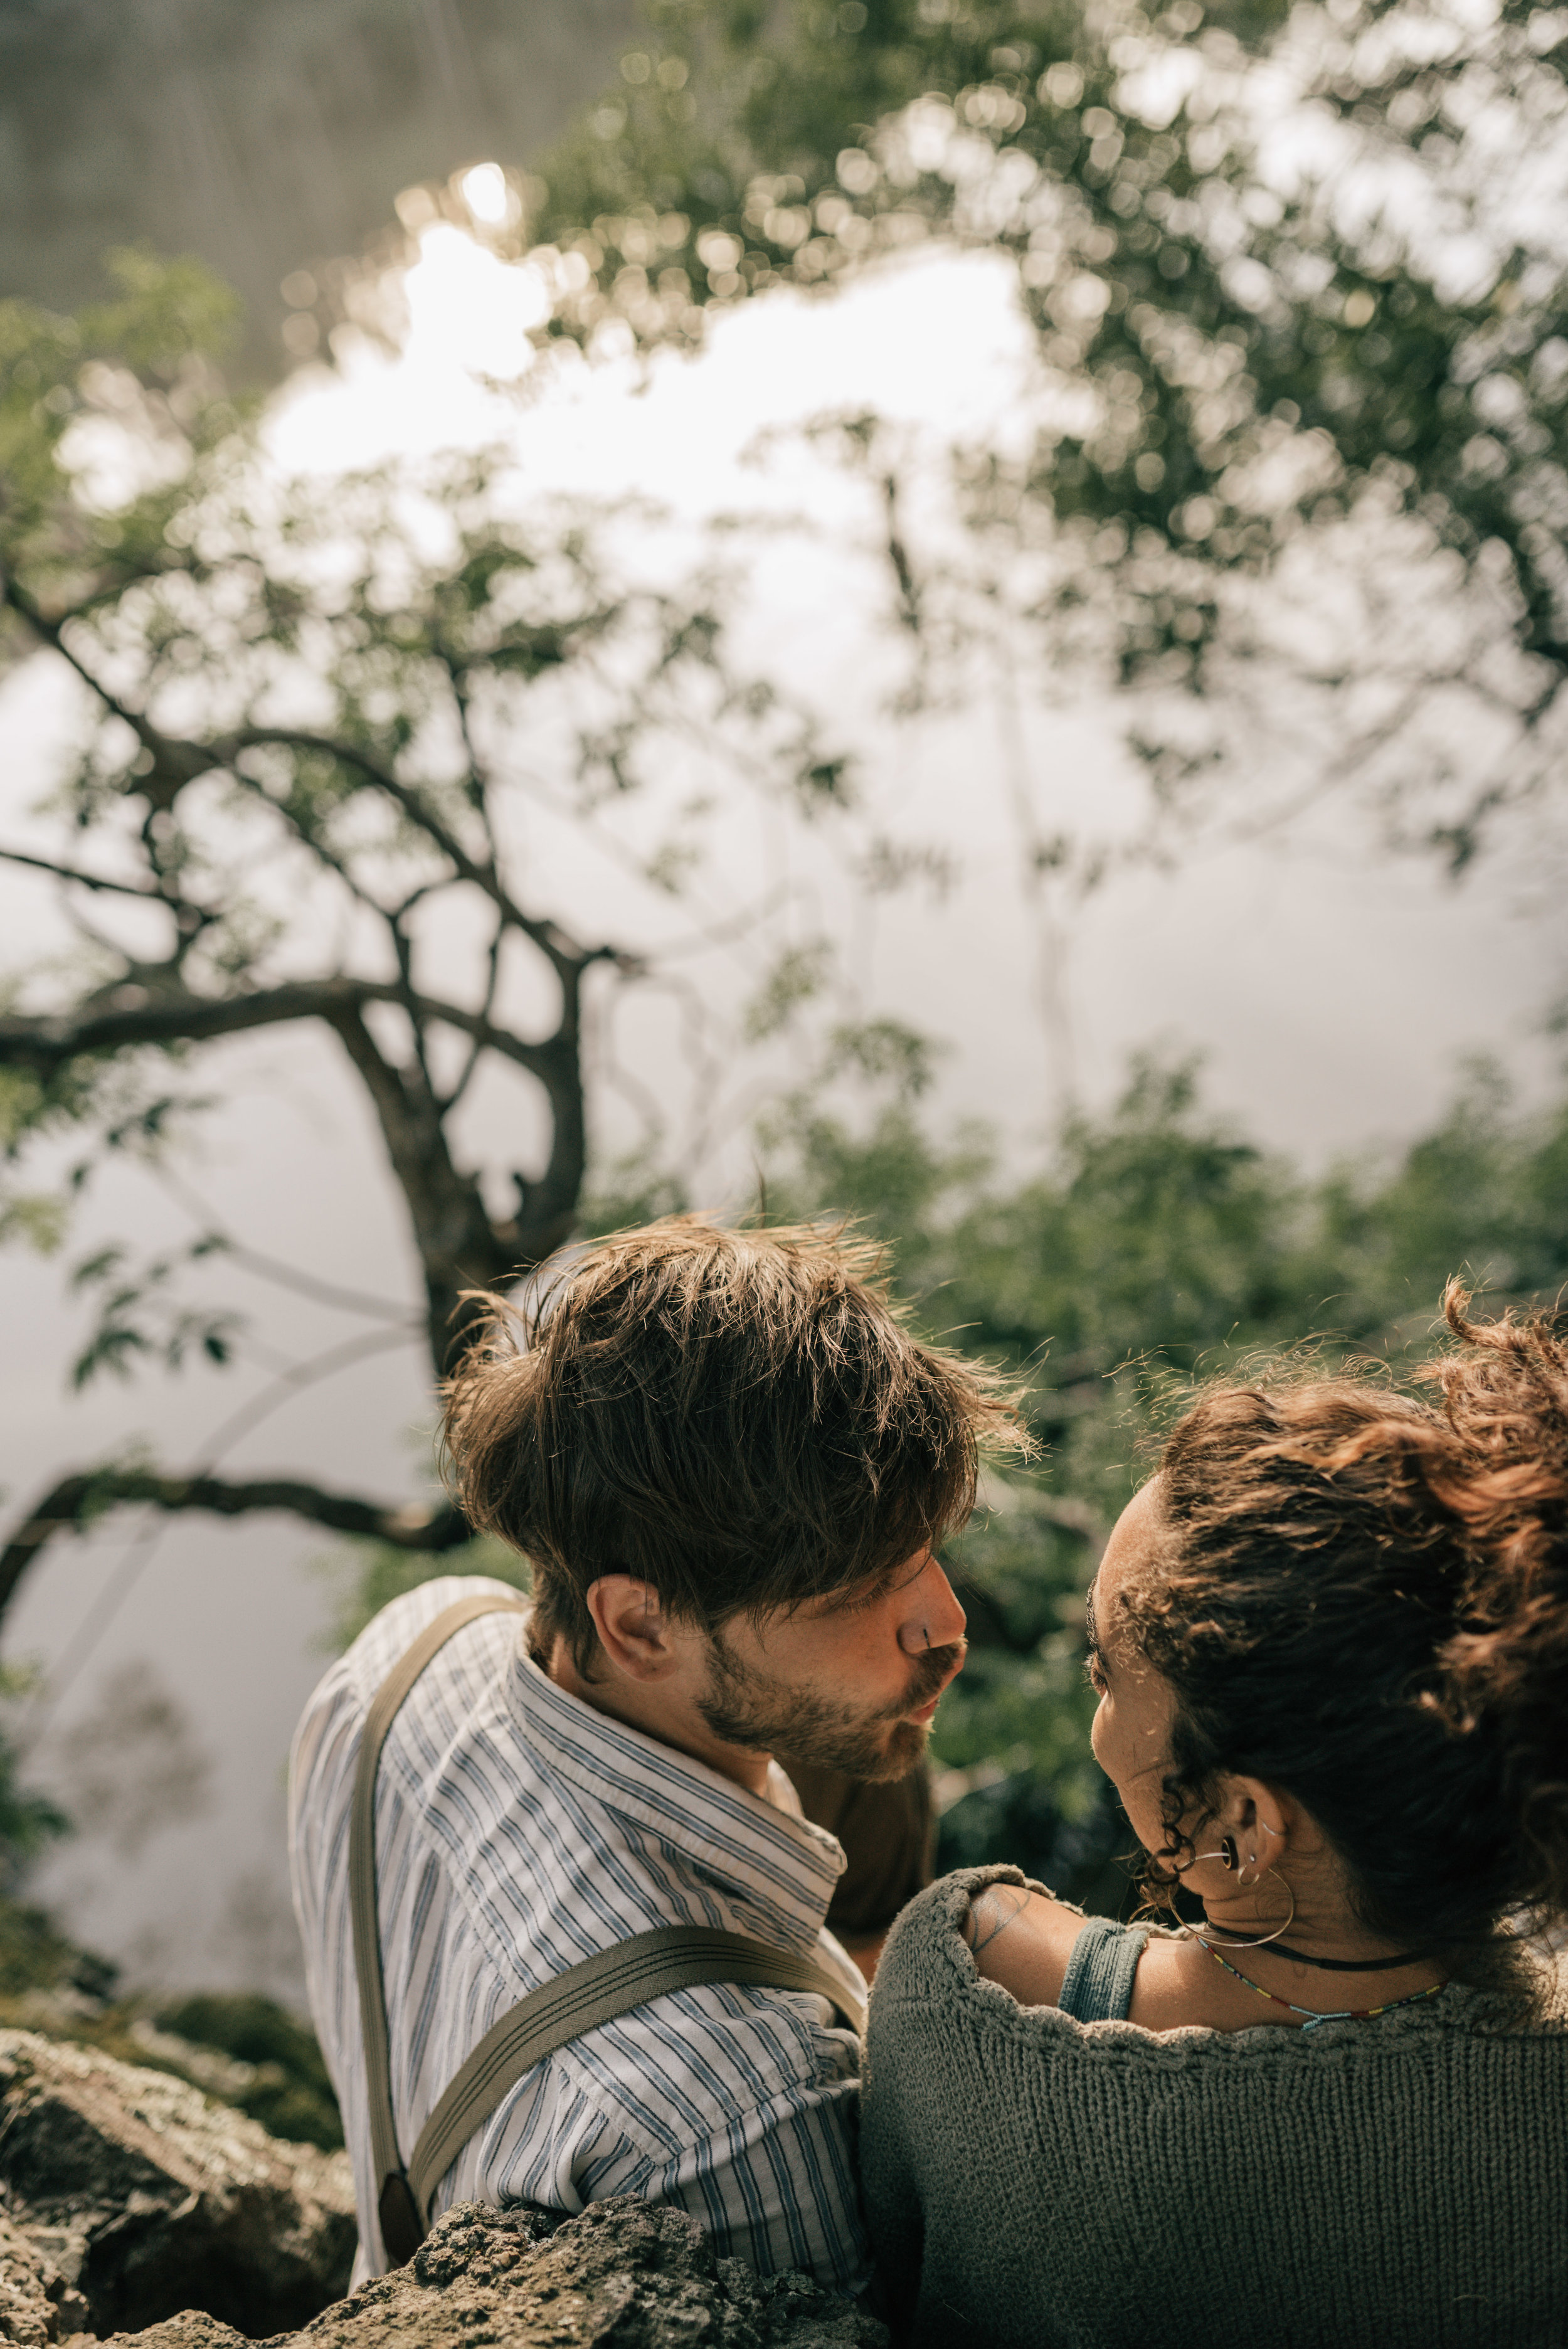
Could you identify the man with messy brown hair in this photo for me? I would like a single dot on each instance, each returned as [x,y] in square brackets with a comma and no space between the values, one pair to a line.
[729,1463]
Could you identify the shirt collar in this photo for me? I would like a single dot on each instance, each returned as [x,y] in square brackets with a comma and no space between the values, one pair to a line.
[770,1854]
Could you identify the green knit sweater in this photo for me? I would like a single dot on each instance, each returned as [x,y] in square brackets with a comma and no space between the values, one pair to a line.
[1031,2180]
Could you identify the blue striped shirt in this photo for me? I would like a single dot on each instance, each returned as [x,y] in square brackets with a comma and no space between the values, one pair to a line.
[516,1832]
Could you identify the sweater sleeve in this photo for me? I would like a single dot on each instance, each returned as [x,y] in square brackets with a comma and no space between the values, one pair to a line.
[891,2185]
[913,2119]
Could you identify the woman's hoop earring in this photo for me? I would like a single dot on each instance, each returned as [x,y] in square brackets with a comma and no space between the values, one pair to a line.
[1229,1858]
[1264,1939]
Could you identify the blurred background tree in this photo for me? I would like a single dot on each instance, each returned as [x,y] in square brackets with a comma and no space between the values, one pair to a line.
[1297,284]
[300,771]
[1157,1248]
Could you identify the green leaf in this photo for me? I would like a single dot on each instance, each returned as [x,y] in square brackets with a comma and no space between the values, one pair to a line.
[798,975]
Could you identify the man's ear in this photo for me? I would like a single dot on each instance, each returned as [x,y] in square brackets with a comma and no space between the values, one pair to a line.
[634,1630]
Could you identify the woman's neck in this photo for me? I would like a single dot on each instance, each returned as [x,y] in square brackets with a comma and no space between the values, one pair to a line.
[1315,1919]
[1181,1983]
[1230,1973]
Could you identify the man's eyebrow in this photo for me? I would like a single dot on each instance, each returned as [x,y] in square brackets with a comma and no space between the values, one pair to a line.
[1090,1631]
[867,1592]
[847,1599]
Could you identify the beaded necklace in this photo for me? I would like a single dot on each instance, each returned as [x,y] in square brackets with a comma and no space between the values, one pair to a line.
[1314,2016]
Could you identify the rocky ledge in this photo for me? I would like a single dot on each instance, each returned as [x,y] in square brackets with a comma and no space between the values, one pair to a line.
[141,2196]
[137,2210]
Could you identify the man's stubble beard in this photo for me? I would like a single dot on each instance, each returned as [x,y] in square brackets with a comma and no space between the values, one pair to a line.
[762,1715]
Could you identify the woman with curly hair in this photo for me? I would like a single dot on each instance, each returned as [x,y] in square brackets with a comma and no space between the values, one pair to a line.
[1330,1639]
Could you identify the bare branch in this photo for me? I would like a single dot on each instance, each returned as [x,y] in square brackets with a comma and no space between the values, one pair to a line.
[723,932]
[274,1268]
[909,610]
[45,1040]
[78,1500]
[85,879]
[449,1099]
[177,762]
[297,1376]
[321,849]
[459,1249]
[174,762]
[553,941]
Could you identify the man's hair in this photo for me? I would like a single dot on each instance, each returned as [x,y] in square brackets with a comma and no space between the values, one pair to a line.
[742,1419]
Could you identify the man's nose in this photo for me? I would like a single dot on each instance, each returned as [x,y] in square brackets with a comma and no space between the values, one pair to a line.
[934,1618]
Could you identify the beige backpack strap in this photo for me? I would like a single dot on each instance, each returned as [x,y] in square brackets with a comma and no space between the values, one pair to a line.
[402,2228]
[604,1987]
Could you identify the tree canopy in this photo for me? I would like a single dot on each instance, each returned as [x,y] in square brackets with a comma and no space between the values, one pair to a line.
[312,726]
[1298,287]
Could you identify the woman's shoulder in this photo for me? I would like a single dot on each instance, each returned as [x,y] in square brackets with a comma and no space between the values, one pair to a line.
[1023,1938]
[987,1925]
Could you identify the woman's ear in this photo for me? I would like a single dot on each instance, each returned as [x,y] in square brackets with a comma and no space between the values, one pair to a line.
[1260,1818]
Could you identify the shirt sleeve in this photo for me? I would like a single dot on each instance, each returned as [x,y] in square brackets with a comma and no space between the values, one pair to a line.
[784,2198]
[731,2105]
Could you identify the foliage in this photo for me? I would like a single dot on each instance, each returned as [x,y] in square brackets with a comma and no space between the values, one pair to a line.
[48,1983]
[125,1326]
[1236,231]
[29,1821]
[310,703]
[1156,1249]
[325,730]
[1158,1234]
[146,353]
[318,115]
[291,2094]
[33,1952]
[1272,452]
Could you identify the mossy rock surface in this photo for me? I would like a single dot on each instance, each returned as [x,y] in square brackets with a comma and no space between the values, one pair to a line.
[625,2273]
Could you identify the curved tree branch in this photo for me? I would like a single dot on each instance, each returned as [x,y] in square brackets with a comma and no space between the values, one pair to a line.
[177,762]
[459,1247]
[76,1501]
[85,879]
[174,763]
[560,950]
[45,1040]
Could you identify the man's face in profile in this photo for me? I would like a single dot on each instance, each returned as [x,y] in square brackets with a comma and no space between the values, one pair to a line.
[848,1683]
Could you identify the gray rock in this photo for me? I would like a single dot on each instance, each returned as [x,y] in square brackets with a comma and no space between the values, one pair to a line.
[37,2303]
[149,2200]
[191,2329]
[624,2275]
[141,2209]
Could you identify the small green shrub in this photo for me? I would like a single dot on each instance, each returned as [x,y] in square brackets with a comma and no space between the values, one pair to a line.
[292,2095]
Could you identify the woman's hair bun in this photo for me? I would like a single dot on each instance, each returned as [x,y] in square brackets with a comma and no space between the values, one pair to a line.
[1503,1478]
